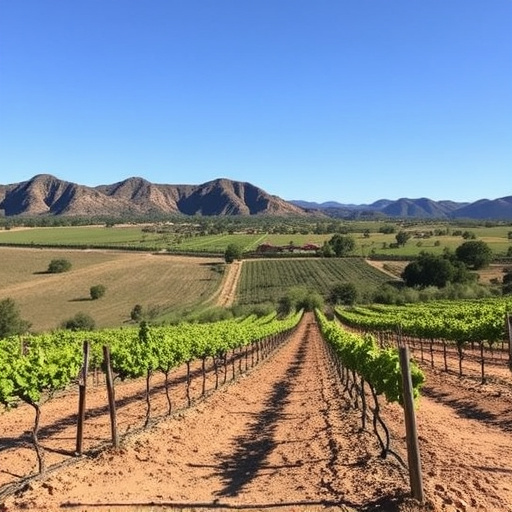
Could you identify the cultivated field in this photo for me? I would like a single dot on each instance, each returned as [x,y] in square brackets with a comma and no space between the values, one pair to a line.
[268,280]
[161,282]
[192,238]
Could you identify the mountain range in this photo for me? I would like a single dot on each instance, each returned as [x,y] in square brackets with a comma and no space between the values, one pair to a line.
[45,194]
[424,208]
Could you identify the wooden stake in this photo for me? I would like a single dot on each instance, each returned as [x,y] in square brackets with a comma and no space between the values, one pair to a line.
[111,396]
[508,330]
[82,389]
[413,451]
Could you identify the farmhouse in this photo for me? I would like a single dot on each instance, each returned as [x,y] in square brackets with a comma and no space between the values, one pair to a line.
[266,248]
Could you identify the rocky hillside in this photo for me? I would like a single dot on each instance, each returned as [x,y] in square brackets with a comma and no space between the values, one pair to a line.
[46,194]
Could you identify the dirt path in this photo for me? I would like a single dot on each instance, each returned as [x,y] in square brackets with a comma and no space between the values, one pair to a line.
[228,290]
[280,438]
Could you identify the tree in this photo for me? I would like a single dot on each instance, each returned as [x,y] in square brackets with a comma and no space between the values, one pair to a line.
[401,237]
[80,322]
[97,291]
[232,253]
[59,265]
[327,251]
[387,229]
[475,254]
[299,297]
[342,245]
[10,320]
[432,270]
[343,293]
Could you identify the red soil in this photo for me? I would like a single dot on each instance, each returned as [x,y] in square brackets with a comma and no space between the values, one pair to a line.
[281,437]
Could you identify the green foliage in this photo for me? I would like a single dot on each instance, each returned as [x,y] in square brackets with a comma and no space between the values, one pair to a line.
[267,280]
[327,250]
[343,293]
[233,252]
[507,283]
[475,254]
[10,319]
[342,245]
[137,313]
[379,367]
[299,298]
[387,229]
[58,266]
[80,322]
[431,270]
[402,237]
[456,320]
[97,291]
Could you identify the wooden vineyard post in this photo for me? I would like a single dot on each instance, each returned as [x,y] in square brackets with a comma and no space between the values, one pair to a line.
[508,330]
[82,389]
[413,451]
[111,396]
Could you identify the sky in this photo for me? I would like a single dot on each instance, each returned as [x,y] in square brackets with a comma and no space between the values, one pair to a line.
[320,100]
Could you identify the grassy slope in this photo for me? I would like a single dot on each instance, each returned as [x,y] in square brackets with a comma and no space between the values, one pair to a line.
[46,300]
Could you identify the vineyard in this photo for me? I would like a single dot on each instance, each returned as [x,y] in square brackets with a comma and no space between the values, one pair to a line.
[210,415]
[257,412]
[34,369]
[269,279]
[444,333]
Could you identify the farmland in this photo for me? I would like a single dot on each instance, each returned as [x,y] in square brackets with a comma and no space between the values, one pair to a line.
[268,280]
[231,449]
[159,282]
[285,436]
[206,237]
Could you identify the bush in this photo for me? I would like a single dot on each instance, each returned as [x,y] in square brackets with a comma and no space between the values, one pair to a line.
[137,313]
[97,291]
[298,298]
[80,322]
[10,320]
[343,293]
[233,252]
[58,266]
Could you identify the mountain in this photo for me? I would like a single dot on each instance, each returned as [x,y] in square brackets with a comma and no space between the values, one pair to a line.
[46,194]
[483,209]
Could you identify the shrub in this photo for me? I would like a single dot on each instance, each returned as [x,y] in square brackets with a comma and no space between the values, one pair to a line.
[80,322]
[10,320]
[58,266]
[97,291]
[137,313]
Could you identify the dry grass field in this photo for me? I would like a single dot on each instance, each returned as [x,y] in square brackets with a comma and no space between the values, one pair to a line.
[152,280]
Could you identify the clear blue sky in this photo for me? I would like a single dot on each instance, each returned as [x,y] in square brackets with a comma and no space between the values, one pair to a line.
[345,100]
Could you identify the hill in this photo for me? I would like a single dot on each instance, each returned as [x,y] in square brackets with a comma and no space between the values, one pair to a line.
[483,209]
[46,194]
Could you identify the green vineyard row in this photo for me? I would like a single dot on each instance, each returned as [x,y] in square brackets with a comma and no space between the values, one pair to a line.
[479,320]
[380,368]
[32,368]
